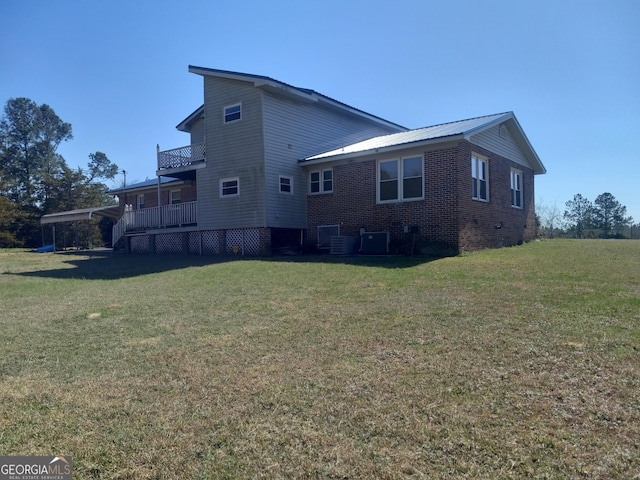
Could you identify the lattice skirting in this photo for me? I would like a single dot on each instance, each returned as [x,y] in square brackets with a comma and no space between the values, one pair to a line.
[243,241]
[204,243]
[169,243]
[248,241]
[140,244]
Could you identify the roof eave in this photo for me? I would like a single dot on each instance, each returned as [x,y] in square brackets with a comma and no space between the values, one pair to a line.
[183,126]
[538,166]
[530,153]
[111,211]
[380,150]
[135,188]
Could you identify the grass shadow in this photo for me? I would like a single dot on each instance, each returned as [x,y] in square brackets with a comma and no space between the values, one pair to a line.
[106,265]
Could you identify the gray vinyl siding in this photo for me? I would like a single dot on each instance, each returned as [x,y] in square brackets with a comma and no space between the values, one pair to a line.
[507,147]
[233,150]
[197,131]
[293,131]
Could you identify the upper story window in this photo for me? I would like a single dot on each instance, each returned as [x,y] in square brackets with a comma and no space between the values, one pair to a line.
[479,178]
[286,184]
[321,181]
[229,187]
[233,113]
[401,179]
[516,188]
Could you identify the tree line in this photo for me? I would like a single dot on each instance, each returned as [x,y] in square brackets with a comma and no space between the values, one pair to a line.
[605,217]
[36,180]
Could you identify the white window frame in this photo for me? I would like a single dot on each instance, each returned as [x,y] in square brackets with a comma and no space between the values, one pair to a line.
[400,180]
[230,117]
[321,182]
[289,184]
[223,187]
[140,201]
[175,197]
[476,181]
[517,199]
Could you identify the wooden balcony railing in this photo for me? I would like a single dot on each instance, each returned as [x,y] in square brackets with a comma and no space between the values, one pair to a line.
[155,217]
[181,157]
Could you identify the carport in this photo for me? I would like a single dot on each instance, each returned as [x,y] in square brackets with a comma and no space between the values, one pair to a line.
[75,216]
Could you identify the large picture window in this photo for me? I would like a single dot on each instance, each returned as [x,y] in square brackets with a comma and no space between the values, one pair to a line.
[479,178]
[516,188]
[400,180]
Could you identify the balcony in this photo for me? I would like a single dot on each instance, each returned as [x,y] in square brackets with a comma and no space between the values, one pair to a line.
[180,214]
[181,159]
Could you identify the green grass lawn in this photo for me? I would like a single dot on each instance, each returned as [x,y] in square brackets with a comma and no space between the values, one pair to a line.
[521,362]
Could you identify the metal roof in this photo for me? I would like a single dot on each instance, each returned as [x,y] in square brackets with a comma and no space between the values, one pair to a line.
[461,127]
[428,135]
[146,184]
[81,214]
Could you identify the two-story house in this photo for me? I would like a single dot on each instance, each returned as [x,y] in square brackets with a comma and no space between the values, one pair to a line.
[270,165]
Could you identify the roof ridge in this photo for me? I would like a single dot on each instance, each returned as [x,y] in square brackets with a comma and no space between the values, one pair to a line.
[463,120]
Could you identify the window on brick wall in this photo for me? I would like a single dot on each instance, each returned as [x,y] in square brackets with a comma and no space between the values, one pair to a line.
[479,178]
[321,181]
[400,180]
[140,201]
[175,197]
[516,188]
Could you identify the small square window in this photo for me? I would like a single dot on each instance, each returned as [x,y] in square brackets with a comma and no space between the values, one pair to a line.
[286,184]
[229,187]
[233,113]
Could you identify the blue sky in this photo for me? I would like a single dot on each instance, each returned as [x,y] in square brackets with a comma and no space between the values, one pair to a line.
[117,71]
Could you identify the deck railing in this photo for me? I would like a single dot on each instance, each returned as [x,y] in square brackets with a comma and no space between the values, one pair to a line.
[181,157]
[155,217]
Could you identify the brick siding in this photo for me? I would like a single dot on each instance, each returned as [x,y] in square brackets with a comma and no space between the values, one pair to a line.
[447,219]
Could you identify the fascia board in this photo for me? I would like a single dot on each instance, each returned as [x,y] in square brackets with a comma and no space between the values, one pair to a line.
[520,138]
[182,126]
[258,81]
[539,168]
[153,186]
